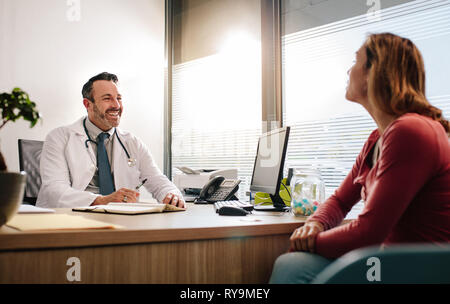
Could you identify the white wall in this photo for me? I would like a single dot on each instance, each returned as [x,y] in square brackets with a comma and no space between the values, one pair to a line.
[51,57]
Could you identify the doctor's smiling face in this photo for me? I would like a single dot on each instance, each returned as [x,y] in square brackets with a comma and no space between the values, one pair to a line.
[104,107]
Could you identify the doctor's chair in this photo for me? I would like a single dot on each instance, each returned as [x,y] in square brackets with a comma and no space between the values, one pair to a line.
[29,161]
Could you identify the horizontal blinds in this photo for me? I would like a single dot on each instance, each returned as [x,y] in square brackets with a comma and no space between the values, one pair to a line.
[416,19]
[329,145]
[217,115]
[331,142]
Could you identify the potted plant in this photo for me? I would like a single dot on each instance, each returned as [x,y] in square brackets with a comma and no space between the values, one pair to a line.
[14,105]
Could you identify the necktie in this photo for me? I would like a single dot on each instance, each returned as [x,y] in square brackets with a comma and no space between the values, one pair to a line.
[105,179]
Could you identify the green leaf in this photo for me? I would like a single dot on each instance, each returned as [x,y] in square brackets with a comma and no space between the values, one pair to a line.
[16,105]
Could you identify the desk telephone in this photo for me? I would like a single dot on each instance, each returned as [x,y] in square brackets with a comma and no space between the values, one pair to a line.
[218,189]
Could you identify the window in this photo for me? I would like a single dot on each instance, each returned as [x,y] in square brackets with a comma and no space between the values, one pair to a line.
[216,86]
[319,40]
[216,115]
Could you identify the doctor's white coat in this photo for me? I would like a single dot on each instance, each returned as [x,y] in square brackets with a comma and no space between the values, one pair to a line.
[67,167]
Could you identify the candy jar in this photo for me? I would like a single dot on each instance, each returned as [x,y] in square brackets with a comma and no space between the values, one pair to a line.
[308,191]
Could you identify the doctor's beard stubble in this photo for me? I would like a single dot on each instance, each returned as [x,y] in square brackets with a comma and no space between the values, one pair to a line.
[102,116]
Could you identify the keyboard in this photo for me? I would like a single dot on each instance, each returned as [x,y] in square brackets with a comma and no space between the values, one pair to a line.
[239,204]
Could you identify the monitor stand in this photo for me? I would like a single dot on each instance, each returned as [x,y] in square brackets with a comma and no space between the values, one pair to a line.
[278,205]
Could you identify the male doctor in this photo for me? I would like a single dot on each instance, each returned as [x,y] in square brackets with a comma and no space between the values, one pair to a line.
[93,162]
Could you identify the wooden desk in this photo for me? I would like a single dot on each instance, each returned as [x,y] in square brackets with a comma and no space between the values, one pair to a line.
[195,246]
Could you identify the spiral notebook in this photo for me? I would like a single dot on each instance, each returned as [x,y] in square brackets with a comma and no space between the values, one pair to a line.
[129,208]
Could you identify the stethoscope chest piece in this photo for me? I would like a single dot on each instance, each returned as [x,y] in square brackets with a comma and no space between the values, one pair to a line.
[131,162]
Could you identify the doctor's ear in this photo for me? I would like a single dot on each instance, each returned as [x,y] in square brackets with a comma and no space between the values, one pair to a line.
[86,103]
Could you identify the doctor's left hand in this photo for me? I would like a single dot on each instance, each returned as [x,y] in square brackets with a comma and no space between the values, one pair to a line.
[175,200]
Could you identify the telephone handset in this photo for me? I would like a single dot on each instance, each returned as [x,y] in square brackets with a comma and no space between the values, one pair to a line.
[218,189]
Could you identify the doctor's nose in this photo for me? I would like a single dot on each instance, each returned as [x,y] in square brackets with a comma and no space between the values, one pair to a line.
[115,102]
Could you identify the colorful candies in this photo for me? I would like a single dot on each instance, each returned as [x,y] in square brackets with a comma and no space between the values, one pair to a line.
[304,207]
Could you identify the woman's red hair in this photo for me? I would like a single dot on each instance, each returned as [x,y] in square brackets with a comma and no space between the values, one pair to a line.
[397,77]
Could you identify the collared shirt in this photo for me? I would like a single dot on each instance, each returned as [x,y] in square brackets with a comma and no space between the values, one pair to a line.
[94,132]
[376,152]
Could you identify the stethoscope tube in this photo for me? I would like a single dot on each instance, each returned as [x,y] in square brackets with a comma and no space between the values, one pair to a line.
[90,140]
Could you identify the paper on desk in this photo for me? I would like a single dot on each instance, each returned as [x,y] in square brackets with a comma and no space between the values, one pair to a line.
[129,208]
[24,208]
[35,222]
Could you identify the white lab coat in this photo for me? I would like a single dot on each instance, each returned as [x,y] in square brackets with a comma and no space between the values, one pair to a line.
[67,167]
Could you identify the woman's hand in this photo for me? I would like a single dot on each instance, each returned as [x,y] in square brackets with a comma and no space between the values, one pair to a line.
[303,238]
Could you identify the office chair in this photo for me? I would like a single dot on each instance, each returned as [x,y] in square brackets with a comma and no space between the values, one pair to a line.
[29,161]
[399,264]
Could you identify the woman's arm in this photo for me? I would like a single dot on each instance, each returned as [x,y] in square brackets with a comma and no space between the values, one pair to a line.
[406,163]
[331,213]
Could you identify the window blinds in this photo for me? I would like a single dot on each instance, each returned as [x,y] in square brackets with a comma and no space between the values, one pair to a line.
[328,131]
[217,114]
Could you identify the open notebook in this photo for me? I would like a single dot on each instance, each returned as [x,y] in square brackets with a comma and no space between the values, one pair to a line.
[129,208]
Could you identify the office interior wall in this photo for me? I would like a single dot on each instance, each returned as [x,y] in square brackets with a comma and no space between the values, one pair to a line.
[202,26]
[49,48]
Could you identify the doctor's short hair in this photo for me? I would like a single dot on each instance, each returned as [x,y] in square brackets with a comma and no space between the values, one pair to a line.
[87,88]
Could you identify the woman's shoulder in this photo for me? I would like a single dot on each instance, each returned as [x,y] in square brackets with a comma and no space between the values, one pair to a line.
[415,130]
[416,125]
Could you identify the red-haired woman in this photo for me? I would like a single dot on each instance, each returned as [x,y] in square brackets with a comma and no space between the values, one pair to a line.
[402,173]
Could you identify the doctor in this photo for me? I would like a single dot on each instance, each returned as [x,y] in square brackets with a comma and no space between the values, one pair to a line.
[93,162]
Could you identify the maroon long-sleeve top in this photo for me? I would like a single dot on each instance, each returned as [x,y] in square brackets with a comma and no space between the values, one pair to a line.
[406,192]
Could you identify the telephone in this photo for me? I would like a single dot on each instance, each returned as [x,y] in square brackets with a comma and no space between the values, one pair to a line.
[218,189]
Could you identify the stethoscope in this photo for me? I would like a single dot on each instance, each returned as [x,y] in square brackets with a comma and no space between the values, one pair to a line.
[131,161]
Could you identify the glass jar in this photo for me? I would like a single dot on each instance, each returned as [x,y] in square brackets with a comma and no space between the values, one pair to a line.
[308,191]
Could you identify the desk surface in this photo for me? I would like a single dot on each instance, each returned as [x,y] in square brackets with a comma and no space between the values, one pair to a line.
[197,223]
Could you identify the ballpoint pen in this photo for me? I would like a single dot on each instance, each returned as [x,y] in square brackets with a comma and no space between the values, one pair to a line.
[141,184]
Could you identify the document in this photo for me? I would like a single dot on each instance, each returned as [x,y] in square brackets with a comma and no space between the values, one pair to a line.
[24,208]
[37,222]
[129,208]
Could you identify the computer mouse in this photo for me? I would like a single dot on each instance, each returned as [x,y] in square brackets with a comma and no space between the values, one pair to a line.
[232,210]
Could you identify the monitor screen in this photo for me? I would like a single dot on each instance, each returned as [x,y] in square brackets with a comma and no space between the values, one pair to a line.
[270,156]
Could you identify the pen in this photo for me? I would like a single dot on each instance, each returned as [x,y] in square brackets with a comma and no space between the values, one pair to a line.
[140,185]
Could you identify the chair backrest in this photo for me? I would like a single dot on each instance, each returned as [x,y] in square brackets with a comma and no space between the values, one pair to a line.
[29,161]
[404,264]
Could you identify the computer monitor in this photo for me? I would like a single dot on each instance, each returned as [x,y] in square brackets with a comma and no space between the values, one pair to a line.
[268,168]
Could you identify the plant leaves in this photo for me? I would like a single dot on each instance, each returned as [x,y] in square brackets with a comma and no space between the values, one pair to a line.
[16,105]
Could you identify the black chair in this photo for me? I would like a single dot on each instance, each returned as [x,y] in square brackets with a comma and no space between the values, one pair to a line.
[29,161]
[421,263]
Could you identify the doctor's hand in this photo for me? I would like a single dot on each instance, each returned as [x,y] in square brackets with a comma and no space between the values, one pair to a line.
[122,195]
[303,238]
[173,199]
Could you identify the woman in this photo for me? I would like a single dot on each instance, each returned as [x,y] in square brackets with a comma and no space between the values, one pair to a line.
[402,173]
